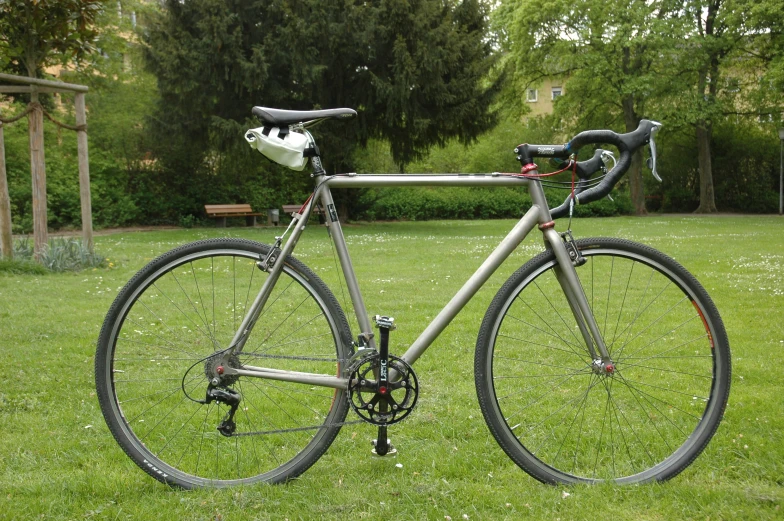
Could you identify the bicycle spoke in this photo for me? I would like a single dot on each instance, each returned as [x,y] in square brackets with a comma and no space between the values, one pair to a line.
[622,306]
[541,396]
[632,390]
[580,356]
[571,330]
[668,404]
[320,314]
[555,333]
[654,323]
[667,370]
[193,305]
[198,327]
[540,330]
[576,414]
[536,386]
[660,355]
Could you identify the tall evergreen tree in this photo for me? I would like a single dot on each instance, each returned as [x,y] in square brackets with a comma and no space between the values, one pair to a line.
[413,69]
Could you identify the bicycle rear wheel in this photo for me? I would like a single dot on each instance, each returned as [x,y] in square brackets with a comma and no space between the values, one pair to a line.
[564,422]
[153,357]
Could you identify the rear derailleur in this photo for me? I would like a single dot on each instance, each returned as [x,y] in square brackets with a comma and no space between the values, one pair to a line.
[229,397]
[218,388]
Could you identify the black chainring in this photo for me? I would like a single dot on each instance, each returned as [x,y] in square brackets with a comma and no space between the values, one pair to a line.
[391,406]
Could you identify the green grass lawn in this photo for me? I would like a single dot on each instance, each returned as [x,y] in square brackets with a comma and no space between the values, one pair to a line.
[59,461]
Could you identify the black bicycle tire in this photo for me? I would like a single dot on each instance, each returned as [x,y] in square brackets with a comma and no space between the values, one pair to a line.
[134,448]
[684,455]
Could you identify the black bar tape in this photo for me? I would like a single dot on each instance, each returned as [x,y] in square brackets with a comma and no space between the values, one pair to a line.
[627,144]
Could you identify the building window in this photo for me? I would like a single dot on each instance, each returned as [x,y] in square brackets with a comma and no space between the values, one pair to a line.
[532,95]
[557,91]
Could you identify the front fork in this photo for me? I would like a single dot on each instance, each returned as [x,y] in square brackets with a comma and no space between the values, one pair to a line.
[570,284]
[581,310]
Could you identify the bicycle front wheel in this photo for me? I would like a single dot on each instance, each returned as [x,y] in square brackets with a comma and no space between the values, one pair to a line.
[563,420]
[153,367]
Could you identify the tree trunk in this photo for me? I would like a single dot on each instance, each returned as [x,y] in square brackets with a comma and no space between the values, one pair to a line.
[636,189]
[38,174]
[707,202]
[6,239]
[708,80]
[84,174]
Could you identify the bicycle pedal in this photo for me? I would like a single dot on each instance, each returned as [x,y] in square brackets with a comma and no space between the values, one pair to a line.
[391,450]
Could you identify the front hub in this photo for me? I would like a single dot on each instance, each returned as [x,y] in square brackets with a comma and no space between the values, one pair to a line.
[606,368]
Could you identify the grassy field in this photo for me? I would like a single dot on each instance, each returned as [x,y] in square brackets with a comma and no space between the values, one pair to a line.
[59,461]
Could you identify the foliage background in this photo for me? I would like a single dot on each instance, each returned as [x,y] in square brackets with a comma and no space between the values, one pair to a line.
[166,119]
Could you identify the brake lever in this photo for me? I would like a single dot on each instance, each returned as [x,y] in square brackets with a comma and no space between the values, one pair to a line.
[607,155]
[651,162]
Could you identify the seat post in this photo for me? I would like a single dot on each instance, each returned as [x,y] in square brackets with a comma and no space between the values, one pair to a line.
[314,154]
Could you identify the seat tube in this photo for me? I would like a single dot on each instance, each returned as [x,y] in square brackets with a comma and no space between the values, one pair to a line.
[366,329]
[568,279]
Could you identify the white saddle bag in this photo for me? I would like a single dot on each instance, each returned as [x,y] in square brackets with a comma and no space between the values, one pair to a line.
[280,145]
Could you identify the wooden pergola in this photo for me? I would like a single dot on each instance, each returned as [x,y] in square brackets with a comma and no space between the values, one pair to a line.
[35,113]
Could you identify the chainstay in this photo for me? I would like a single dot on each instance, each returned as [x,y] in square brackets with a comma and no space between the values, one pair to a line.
[297,429]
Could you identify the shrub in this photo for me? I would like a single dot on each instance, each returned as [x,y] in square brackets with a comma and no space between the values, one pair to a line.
[61,254]
[419,204]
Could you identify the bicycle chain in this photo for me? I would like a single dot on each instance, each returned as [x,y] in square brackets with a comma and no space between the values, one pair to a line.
[299,429]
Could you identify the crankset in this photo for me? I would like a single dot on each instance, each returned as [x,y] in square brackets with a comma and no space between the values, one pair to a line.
[383,403]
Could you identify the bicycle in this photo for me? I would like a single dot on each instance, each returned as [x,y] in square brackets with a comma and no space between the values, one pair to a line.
[600,359]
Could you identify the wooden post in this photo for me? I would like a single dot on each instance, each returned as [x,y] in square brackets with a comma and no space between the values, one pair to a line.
[6,239]
[84,174]
[38,174]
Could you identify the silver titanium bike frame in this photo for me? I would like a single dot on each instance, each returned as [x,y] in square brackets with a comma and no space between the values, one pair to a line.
[538,214]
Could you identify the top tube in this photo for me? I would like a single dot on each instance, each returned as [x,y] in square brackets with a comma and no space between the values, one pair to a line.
[468,180]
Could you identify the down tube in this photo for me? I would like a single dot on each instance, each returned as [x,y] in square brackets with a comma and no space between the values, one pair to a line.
[477,280]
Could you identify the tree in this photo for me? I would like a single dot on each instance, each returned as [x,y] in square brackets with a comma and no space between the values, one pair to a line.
[33,35]
[38,33]
[731,36]
[712,39]
[607,51]
[725,64]
[414,69]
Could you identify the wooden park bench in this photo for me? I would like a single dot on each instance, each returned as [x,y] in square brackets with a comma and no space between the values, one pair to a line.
[289,209]
[221,211]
